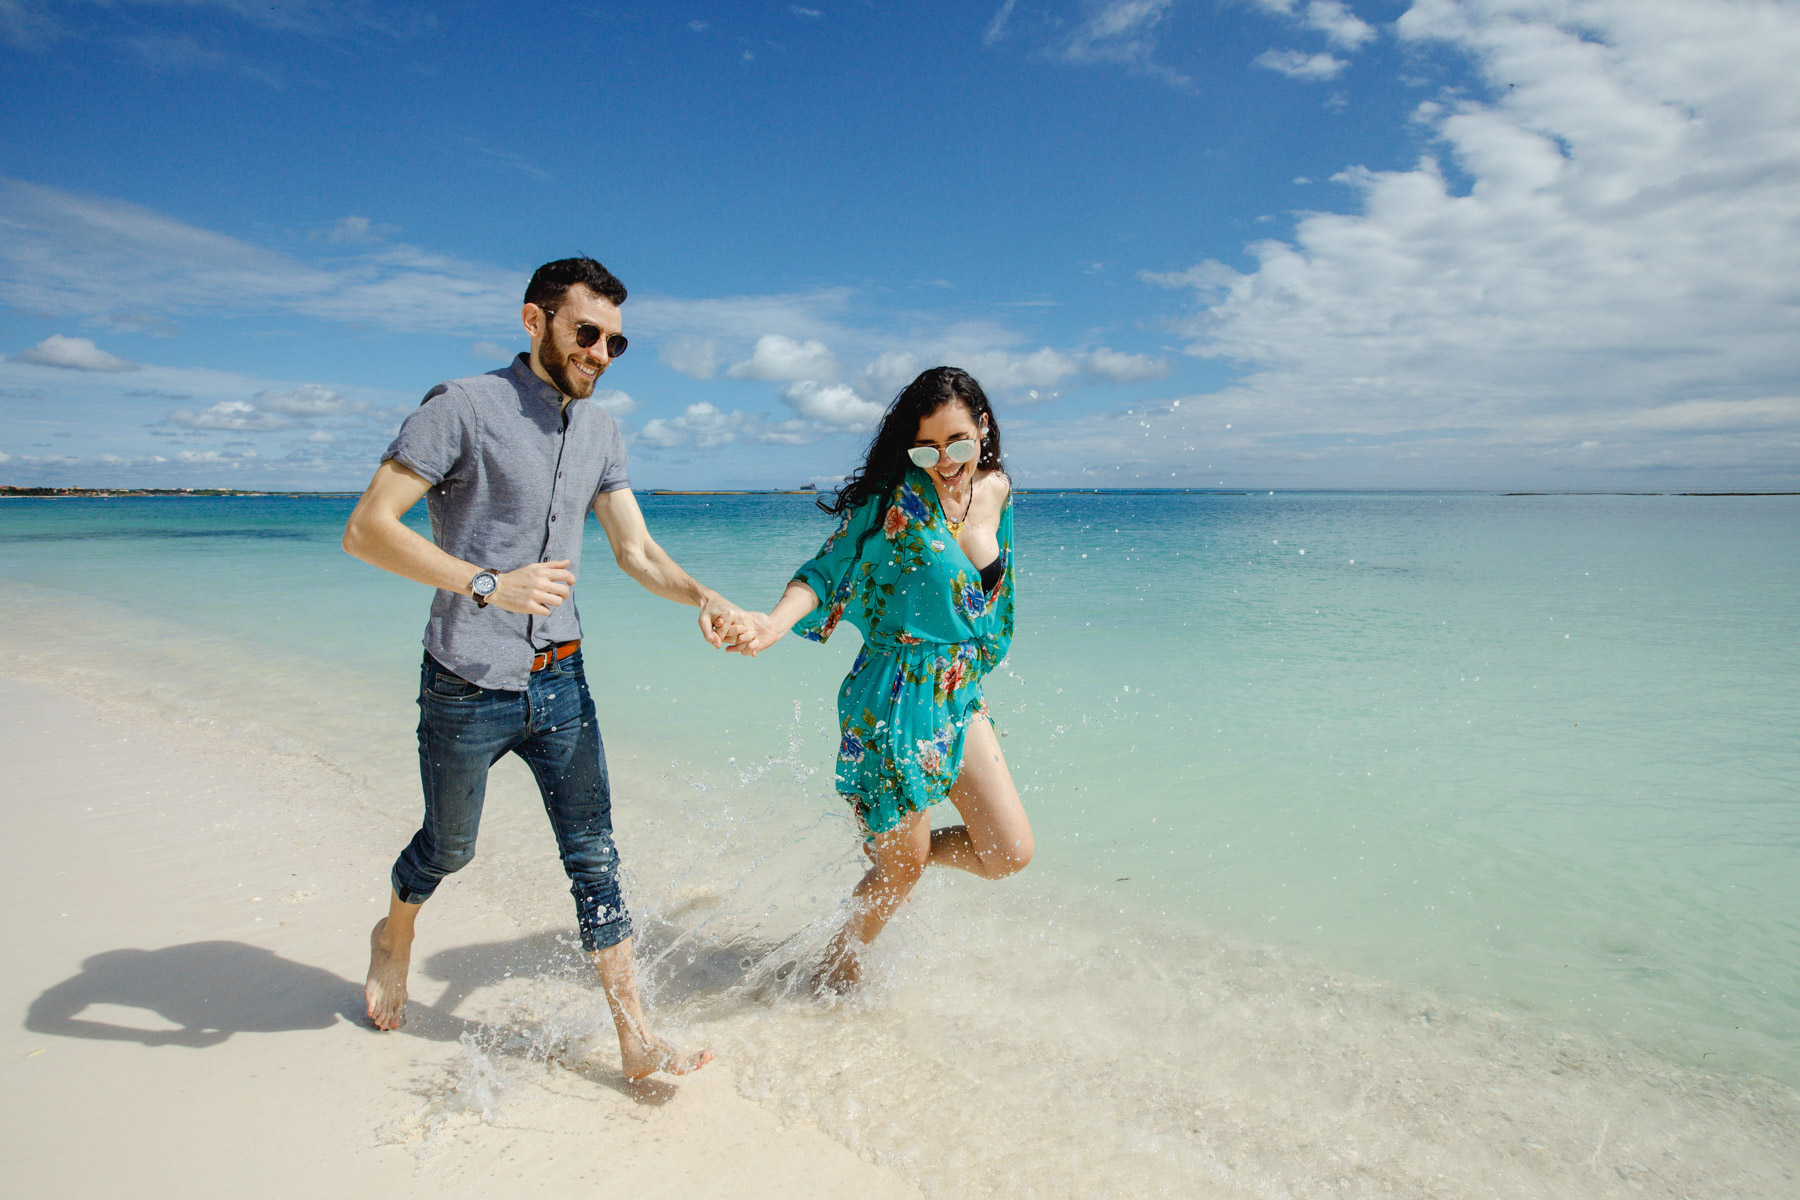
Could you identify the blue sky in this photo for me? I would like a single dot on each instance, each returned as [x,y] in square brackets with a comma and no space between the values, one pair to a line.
[1293,243]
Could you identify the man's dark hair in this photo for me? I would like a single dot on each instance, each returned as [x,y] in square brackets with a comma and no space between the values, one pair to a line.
[552,281]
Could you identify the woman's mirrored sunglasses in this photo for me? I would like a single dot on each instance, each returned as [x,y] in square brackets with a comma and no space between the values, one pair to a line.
[587,334]
[956,452]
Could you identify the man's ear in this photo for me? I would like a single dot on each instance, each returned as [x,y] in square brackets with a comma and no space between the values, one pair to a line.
[533,318]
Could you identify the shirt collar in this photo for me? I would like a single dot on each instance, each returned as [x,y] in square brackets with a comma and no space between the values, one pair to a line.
[526,380]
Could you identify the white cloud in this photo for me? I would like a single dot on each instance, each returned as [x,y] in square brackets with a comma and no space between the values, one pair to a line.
[705,425]
[63,252]
[74,354]
[1333,18]
[1606,264]
[229,414]
[1122,32]
[358,229]
[618,403]
[695,357]
[307,400]
[996,28]
[492,351]
[193,457]
[1117,367]
[1000,370]
[1297,64]
[793,432]
[1341,27]
[831,404]
[891,371]
[320,437]
[781,359]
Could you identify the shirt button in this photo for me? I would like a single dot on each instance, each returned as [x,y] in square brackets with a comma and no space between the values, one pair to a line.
[553,518]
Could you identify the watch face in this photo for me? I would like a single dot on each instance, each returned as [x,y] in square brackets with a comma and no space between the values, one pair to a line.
[484,584]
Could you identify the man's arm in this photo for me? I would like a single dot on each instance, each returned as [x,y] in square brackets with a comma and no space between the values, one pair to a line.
[640,557]
[376,535]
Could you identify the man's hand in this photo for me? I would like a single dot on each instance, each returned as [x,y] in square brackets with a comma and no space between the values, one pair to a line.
[717,614]
[534,588]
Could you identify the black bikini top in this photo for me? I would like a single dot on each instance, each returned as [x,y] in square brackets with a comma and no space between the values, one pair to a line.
[990,574]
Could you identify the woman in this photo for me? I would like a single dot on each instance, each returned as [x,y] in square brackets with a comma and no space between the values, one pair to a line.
[921,564]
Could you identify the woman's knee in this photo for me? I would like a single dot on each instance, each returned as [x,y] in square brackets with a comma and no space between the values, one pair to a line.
[1008,860]
[903,859]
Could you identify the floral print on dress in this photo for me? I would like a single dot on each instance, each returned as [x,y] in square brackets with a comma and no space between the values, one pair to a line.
[893,570]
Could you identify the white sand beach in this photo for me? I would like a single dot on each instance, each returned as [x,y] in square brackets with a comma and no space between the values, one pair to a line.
[186,918]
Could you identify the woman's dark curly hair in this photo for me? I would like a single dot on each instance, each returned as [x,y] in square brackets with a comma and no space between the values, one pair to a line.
[886,460]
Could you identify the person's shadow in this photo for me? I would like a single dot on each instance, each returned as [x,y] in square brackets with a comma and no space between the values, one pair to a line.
[212,990]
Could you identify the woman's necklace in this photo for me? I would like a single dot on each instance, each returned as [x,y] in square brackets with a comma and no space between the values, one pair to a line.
[956,526]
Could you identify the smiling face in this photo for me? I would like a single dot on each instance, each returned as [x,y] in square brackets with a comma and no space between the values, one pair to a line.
[951,423]
[556,358]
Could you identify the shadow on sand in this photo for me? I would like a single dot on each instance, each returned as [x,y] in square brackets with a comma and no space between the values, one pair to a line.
[213,990]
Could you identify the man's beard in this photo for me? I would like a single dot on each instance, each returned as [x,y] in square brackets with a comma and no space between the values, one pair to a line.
[556,366]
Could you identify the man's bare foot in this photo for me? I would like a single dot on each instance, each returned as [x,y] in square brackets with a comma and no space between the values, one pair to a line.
[647,1058]
[385,991]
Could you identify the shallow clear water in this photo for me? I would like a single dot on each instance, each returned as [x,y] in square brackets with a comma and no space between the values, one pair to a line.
[1488,759]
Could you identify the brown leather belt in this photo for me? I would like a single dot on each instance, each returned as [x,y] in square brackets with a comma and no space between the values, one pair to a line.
[555,654]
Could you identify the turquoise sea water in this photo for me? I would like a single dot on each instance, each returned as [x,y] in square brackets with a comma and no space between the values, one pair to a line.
[1536,756]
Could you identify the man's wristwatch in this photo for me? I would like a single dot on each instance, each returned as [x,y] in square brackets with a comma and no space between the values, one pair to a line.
[482,586]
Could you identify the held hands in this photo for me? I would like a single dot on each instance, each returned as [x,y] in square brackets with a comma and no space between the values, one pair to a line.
[751,633]
[535,588]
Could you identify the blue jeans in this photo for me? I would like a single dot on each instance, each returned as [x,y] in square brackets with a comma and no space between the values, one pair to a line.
[463,730]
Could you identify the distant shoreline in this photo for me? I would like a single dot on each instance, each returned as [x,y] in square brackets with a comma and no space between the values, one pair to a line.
[14,492]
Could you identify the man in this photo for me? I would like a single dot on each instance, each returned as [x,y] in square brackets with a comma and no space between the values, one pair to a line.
[510,462]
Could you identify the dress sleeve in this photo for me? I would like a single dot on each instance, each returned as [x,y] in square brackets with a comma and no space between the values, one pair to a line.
[831,572]
[998,640]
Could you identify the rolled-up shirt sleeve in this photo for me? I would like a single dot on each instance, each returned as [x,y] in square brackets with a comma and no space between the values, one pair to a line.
[613,478]
[437,439]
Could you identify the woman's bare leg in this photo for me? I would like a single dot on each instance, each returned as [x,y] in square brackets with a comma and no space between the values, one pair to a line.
[900,857]
[994,840]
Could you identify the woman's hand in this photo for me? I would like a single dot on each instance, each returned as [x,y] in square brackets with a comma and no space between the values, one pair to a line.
[752,633]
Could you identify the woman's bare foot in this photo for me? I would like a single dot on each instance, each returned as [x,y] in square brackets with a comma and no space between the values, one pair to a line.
[647,1058]
[840,972]
[385,992]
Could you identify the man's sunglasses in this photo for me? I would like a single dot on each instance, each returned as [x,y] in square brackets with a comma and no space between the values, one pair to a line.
[957,452]
[586,335]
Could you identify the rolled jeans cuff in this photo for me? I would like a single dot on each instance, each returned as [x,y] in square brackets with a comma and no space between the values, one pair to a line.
[602,924]
[407,889]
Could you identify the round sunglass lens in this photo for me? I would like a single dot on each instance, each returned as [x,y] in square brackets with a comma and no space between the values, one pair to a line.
[615,345]
[923,456]
[586,335]
[960,452]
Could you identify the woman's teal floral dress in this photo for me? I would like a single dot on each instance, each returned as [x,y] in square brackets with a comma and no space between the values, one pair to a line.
[895,572]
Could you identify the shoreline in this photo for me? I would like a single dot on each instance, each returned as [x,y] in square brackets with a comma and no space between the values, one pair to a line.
[18,492]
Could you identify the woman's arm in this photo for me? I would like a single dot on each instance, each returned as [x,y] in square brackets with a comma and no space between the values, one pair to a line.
[765,629]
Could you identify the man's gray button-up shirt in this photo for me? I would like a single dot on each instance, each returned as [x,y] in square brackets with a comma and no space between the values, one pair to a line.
[506,462]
